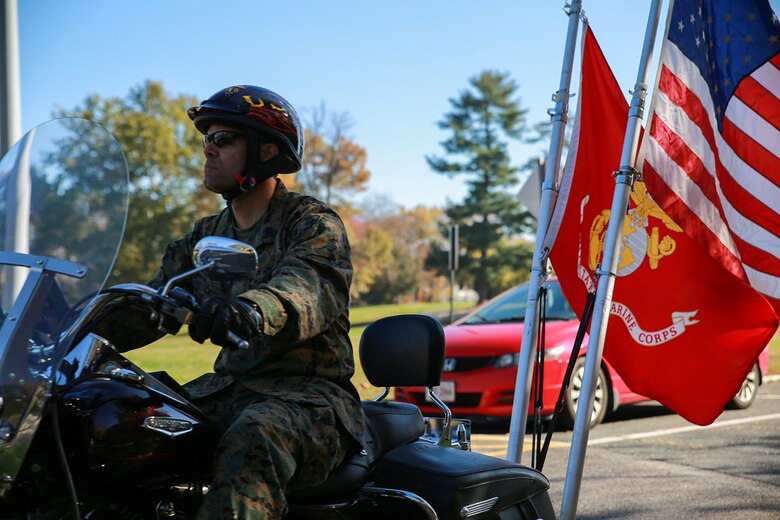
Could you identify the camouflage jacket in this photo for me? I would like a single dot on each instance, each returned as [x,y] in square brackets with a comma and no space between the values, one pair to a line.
[302,292]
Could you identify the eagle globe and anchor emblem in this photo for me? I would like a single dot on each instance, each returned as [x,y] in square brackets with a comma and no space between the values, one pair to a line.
[638,242]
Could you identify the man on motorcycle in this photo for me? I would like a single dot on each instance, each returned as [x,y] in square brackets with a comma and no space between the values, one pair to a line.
[287,405]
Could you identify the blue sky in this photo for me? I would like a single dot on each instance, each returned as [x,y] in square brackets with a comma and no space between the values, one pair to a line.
[392,66]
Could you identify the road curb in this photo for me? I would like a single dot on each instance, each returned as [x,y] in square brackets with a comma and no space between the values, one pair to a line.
[774,378]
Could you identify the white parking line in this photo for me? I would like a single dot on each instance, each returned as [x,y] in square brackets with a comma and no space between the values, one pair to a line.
[682,429]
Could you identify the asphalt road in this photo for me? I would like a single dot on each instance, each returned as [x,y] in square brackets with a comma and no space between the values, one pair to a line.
[647,463]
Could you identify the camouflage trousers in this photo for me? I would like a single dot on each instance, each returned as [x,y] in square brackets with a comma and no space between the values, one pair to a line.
[269,446]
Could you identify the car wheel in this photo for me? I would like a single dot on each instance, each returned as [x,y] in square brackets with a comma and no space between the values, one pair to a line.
[600,399]
[746,394]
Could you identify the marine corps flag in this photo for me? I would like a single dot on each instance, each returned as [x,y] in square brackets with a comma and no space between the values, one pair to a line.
[682,329]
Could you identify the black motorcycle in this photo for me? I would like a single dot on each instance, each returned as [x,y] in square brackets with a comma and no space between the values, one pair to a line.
[85,433]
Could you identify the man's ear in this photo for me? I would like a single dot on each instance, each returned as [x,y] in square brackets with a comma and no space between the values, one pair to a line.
[268,151]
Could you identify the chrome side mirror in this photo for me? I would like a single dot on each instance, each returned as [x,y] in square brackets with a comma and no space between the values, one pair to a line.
[224,259]
[221,259]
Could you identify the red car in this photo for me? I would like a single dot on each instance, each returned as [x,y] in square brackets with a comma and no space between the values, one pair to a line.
[482,357]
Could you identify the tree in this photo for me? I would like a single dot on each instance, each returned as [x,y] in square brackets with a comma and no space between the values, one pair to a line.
[372,249]
[483,119]
[403,277]
[334,166]
[164,157]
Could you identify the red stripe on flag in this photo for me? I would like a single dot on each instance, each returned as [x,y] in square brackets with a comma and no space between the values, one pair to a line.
[757,259]
[741,199]
[679,94]
[760,100]
[755,155]
[678,151]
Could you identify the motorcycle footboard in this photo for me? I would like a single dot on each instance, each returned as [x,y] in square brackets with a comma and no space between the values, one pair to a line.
[462,484]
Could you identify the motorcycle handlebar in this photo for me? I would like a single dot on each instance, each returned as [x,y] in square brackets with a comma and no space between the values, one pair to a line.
[237,341]
[174,307]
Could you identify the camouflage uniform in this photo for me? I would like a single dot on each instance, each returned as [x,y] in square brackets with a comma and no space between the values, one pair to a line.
[289,408]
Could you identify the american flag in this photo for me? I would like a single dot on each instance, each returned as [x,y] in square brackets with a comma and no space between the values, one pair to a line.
[711,158]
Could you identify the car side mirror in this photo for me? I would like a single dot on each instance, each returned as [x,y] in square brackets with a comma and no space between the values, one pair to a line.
[224,258]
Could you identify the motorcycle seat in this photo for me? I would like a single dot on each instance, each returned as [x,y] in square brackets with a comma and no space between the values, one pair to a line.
[390,424]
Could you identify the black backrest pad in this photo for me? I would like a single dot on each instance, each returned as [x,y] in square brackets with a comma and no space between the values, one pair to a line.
[403,350]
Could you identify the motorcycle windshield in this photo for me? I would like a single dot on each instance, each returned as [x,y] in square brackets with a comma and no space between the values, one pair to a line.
[63,208]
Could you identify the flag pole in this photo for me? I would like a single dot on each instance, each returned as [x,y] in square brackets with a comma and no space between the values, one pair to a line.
[17,232]
[10,105]
[606,272]
[539,265]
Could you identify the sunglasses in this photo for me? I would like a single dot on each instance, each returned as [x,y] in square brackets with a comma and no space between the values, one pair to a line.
[220,138]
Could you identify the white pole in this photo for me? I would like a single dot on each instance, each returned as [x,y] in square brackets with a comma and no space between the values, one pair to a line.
[539,265]
[10,97]
[606,275]
[17,232]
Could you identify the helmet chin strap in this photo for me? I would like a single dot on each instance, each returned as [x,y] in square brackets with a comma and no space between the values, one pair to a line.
[255,171]
[244,184]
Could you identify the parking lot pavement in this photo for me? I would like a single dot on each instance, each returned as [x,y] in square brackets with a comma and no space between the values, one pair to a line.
[648,463]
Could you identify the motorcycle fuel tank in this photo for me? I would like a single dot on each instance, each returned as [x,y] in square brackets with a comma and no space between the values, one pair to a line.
[121,424]
[131,433]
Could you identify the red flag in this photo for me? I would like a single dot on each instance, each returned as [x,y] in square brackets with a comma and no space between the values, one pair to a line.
[712,156]
[682,329]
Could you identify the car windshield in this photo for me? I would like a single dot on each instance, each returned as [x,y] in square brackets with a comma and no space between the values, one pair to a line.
[510,307]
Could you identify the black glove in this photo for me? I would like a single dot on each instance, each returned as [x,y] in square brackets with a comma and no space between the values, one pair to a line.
[173,309]
[217,316]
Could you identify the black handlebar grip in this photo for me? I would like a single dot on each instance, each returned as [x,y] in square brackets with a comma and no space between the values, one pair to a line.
[236,341]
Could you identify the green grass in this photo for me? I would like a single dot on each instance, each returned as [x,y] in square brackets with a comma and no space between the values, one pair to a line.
[185,360]
[374,312]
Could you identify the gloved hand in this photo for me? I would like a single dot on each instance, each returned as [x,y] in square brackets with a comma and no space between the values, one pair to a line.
[173,309]
[218,315]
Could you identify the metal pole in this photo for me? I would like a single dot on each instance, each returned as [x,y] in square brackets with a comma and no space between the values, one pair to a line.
[606,275]
[17,231]
[539,265]
[452,296]
[10,97]
[453,265]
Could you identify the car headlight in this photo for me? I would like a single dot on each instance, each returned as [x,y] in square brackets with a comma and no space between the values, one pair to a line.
[512,360]
[507,360]
[554,352]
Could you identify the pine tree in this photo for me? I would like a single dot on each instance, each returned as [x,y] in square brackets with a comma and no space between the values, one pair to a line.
[483,119]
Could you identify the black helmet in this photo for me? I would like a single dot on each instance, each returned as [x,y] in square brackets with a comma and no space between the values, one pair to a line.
[259,109]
